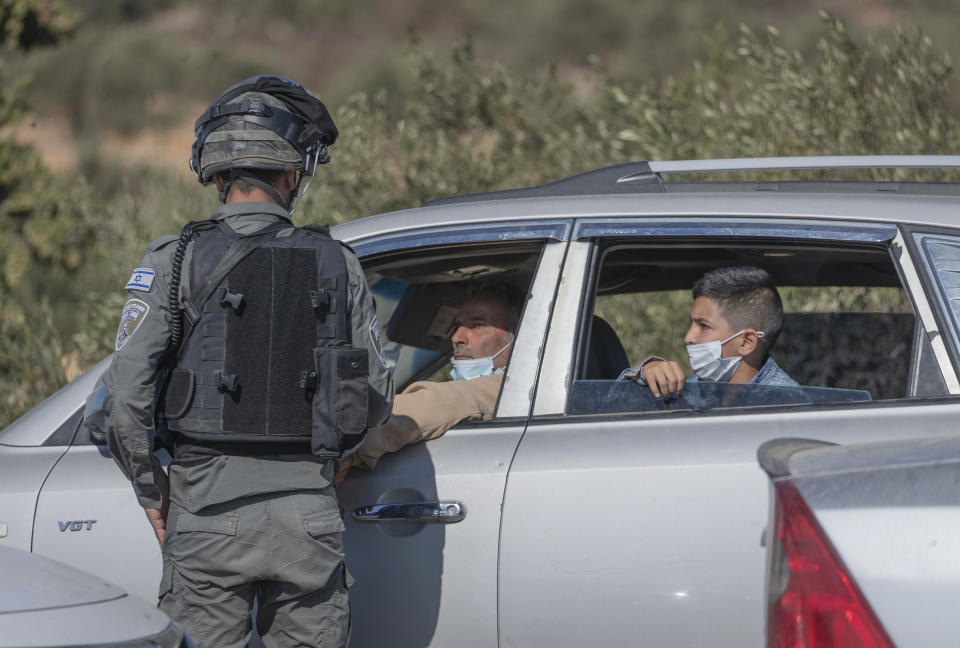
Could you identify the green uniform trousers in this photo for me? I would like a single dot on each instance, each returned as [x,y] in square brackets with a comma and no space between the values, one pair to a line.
[285,549]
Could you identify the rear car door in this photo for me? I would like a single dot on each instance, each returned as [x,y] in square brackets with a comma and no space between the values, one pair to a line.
[434,583]
[623,526]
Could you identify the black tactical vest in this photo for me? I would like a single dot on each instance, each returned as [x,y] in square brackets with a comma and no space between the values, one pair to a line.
[265,359]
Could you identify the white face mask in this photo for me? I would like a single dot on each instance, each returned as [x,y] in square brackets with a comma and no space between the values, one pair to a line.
[708,363]
[470,368]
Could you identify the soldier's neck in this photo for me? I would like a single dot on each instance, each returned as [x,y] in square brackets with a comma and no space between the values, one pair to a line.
[253,195]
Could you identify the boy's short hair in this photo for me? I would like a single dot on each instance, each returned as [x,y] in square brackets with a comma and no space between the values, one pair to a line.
[747,298]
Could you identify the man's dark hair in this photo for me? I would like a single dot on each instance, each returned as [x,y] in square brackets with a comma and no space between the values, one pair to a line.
[511,296]
[747,298]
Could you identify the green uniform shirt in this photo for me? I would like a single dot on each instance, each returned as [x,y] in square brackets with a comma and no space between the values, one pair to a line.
[133,383]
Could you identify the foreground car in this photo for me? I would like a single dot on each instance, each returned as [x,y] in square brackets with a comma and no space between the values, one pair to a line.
[595,515]
[863,546]
[46,603]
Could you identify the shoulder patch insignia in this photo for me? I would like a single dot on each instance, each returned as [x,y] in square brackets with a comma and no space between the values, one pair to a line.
[141,279]
[134,312]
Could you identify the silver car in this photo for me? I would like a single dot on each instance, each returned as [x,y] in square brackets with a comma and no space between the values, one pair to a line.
[46,604]
[863,546]
[586,512]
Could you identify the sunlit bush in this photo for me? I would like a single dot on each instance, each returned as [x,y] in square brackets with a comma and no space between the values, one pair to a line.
[470,127]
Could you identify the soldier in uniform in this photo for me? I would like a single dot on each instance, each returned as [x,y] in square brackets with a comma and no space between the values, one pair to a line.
[252,346]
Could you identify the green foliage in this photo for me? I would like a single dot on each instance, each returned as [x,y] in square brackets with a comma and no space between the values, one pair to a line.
[756,98]
[465,126]
[134,79]
[649,323]
[39,224]
[30,23]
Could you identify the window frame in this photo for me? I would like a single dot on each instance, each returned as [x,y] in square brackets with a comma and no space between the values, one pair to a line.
[946,319]
[576,298]
[523,370]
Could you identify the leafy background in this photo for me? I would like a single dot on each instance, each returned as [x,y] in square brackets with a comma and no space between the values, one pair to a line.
[97,101]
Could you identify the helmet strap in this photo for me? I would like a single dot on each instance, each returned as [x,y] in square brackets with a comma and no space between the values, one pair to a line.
[238,174]
[291,207]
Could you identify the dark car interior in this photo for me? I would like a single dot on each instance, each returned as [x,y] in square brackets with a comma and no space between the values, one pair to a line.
[860,355]
[430,286]
[866,354]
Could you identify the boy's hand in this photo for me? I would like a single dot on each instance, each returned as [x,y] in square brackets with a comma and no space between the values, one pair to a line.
[664,377]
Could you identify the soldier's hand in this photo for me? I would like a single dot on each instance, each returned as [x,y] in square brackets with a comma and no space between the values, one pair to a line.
[343,470]
[664,377]
[158,520]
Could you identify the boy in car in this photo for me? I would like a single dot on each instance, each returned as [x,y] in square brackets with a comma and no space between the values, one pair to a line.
[736,318]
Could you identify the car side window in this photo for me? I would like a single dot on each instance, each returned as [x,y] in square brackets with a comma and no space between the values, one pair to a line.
[941,256]
[849,331]
[419,293]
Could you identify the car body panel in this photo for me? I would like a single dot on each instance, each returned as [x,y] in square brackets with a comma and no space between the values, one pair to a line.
[436,584]
[37,583]
[525,229]
[662,513]
[892,512]
[868,208]
[48,603]
[23,472]
[430,584]
[100,528]
[516,397]
[678,497]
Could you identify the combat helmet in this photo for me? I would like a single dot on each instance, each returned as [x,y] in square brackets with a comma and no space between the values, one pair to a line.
[266,123]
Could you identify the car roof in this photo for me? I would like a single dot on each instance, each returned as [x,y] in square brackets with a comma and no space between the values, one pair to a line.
[937,211]
[637,189]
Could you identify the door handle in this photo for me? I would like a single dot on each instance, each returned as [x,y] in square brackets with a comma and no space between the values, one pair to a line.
[432,512]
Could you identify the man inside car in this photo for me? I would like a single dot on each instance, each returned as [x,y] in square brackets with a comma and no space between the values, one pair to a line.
[735,320]
[482,338]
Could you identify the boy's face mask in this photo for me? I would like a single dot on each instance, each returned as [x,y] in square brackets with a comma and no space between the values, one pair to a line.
[708,363]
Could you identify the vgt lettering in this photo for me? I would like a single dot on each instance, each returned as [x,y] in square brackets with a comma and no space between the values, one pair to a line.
[76,525]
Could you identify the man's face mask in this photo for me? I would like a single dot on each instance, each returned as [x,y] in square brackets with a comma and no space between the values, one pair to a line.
[708,363]
[469,368]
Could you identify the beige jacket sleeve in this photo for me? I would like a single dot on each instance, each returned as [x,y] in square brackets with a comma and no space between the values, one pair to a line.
[426,410]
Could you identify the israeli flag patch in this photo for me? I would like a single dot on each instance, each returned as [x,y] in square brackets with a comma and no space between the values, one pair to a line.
[141,279]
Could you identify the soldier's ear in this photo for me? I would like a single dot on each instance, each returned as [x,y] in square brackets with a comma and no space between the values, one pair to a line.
[218,178]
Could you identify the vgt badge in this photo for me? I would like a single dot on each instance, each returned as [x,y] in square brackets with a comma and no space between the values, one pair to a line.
[76,525]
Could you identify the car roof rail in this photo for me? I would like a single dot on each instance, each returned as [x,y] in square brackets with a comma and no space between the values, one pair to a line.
[811,162]
[629,177]
[645,177]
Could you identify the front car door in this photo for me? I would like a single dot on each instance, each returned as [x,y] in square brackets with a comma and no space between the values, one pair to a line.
[435,583]
[417,583]
[625,526]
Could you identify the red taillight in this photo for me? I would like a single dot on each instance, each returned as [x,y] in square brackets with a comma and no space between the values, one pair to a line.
[820,605]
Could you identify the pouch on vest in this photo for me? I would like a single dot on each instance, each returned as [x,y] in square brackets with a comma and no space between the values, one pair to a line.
[340,402]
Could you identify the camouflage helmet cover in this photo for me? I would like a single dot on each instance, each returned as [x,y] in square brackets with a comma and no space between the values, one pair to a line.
[240,143]
[264,122]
